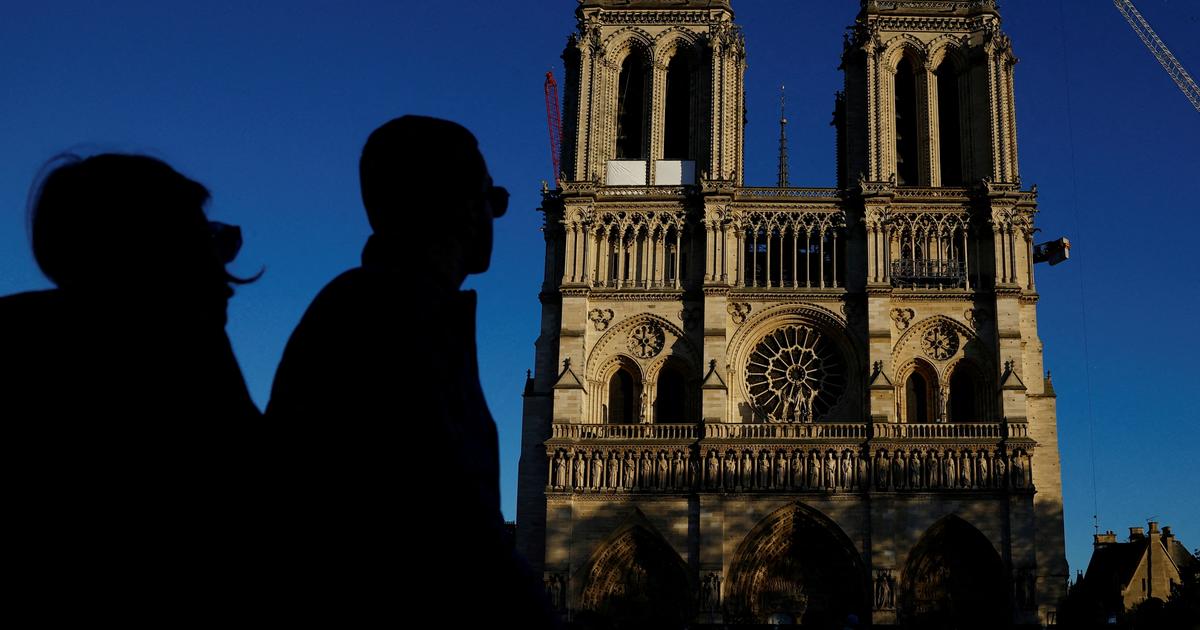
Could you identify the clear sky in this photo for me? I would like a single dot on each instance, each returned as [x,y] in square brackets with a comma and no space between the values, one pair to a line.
[268,104]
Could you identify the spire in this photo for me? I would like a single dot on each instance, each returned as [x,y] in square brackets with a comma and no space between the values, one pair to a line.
[783,151]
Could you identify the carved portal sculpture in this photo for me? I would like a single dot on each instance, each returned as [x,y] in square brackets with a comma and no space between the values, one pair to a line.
[795,374]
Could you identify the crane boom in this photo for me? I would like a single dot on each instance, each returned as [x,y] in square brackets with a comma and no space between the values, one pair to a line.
[554,122]
[1160,51]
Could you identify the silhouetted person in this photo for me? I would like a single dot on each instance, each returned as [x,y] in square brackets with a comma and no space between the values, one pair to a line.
[121,400]
[394,456]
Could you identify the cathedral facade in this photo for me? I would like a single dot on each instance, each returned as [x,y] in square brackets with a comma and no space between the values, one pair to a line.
[787,404]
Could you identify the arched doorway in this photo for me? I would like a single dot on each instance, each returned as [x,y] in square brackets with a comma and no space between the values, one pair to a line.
[797,567]
[954,579]
[636,581]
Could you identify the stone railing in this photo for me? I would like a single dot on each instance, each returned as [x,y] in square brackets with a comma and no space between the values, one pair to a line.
[914,192]
[780,431]
[625,432]
[950,431]
[623,192]
[750,193]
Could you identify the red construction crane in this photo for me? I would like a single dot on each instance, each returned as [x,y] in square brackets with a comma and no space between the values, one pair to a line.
[554,122]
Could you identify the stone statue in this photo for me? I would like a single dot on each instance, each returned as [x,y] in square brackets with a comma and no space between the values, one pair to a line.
[663,471]
[1018,470]
[964,471]
[949,472]
[764,470]
[711,480]
[1001,469]
[780,471]
[847,471]
[580,471]
[914,471]
[934,466]
[560,470]
[898,470]
[830,472]
[814,471]
[647,471]
[614,471]
[881,467]
[797,470]
[730,471]
[981,474]
[597,471]
[677,471]
[628,472]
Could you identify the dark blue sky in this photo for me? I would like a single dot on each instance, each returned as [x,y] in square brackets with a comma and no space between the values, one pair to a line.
[268,105]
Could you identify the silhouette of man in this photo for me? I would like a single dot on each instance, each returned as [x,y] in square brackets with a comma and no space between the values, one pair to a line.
[397,450]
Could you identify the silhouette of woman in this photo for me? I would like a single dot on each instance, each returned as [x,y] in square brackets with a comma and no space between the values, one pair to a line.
[122,403]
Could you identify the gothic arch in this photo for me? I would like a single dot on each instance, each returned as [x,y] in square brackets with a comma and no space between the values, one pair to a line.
[674,41]
[918,395]
[629,40]
[952,341]
[636,577]
[616,348]
[603,390]
[948,47]
[981,394]
[849,397]
[900,46]
[797,563]
[954,577]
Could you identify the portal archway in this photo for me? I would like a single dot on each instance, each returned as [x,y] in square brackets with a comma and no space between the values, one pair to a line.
[636,580]
[954,579]
[797,567]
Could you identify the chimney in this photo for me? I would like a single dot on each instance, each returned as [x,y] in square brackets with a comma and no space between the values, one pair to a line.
[1136,533]
[1108,538]
[1168,536]
[1154,533]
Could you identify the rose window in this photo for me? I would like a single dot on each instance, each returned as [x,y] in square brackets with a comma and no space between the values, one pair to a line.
[795,374]
[940,341]
[646,340]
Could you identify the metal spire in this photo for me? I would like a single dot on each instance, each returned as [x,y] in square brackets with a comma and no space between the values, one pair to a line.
[783,150]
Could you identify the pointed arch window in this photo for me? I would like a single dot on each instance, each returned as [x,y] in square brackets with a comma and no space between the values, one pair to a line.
[949,124]
[965,396]
[631,108]
[677,132]
[622,398]
[907,153]
[670,402]
[920,403]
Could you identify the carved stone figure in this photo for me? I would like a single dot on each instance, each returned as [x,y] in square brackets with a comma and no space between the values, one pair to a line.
[914,471]
[933,464]
[964,471]
[847,471]
[580,480]
[730,471]
[1018,470]
[898,470]
[814,471]
[712,471]
[628,472]
[677,471]
[764,470]
[663,473]
[560,470]
[881,468]
[647,471]
[830,472]
[797,469]
[1000,472]
[597,472]
[981,470]
[780,471]
[950,470]
[614,471]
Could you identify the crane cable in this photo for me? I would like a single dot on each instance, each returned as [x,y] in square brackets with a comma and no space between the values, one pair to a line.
[1079,260]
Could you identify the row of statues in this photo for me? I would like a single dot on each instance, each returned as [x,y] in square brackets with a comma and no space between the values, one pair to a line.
[830,470]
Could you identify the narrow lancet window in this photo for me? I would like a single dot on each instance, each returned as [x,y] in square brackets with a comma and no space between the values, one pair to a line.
[678,124]
[964,399]
[949,127]
[916,394]
[631,107]
[669,402]
[906,124]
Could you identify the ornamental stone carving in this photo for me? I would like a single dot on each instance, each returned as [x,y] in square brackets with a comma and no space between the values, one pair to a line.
[738,311]
[940,341]
[903,317]
[976,317]
[601,317]
[646,340]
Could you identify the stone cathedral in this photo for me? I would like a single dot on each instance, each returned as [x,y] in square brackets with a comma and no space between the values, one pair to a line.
[791,405]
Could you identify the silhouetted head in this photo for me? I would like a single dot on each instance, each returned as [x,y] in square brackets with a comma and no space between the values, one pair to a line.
[128,226]
[424,178]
